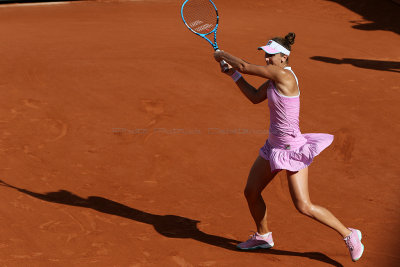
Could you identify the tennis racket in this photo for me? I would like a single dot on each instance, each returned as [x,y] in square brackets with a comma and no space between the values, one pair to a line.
[201,17]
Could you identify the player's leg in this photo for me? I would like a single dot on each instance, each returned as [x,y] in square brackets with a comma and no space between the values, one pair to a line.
[298,186]
[259,177]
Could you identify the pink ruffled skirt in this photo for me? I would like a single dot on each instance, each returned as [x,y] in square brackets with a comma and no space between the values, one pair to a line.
[294,153]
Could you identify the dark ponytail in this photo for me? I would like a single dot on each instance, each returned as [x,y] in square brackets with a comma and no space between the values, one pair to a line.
[286,42]
[290,38]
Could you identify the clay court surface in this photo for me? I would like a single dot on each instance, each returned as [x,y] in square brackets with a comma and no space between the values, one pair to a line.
[123,145]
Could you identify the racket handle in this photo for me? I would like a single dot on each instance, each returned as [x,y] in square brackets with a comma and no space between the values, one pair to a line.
[224,65]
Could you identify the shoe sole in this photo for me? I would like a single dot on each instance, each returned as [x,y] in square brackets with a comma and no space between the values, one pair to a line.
[360,237]
[257,247]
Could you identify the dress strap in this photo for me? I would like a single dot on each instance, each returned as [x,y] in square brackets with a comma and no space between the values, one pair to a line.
[289,68]
[297,81]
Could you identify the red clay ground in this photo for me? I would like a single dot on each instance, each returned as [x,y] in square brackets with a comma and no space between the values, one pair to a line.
[167,191]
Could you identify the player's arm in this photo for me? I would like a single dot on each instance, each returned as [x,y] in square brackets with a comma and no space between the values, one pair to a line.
[282,78]
[254,95]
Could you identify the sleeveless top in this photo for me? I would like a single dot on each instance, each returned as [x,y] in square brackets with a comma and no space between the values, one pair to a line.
[287,148]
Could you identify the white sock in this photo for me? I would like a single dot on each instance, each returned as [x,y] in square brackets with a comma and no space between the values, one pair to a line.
[265,235]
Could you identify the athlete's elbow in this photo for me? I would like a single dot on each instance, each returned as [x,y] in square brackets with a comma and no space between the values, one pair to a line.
[256,100]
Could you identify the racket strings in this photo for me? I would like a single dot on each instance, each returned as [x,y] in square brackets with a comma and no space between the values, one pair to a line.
[200,16]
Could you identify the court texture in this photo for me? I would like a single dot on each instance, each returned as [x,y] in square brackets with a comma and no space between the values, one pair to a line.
[122,144]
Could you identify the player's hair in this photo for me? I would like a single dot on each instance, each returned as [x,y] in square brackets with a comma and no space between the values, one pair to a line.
[286,42]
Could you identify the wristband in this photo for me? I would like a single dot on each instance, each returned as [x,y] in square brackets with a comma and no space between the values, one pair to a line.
[236,76]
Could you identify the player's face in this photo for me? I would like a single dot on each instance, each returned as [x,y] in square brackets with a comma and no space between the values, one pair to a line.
[270,58]
[274,59]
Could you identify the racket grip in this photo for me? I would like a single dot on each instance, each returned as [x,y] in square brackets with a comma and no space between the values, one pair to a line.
[224,65]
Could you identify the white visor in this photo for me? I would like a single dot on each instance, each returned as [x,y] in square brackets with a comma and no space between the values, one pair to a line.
[273,47]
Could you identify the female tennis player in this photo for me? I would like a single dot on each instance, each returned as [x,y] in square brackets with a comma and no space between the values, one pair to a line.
[286,148]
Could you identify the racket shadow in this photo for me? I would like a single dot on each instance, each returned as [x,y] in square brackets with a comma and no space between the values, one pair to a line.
[172,226]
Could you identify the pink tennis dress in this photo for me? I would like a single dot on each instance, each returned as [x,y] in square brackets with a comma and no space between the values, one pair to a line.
[287,148]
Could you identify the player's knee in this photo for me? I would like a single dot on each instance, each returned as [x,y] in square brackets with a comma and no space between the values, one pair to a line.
[251,194]
[304,207]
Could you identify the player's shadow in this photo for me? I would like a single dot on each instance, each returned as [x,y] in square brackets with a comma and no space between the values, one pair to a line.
[393,66]
[376,14]
[171,226]
[32,1]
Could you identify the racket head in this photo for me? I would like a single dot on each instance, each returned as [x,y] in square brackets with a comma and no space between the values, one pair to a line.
[200,16]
